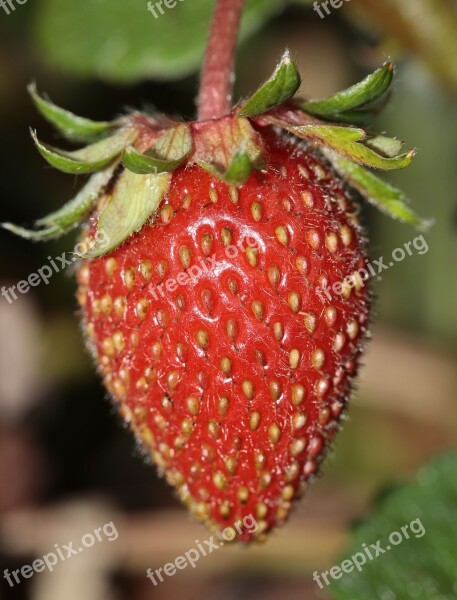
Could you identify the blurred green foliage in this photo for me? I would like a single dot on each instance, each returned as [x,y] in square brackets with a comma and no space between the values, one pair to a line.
[420,560]
[120,40]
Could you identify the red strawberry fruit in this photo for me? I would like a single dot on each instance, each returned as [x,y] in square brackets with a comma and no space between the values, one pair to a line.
[220,282]
[207,327]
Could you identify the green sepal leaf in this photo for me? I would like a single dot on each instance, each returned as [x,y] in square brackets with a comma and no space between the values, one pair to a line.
[359,115]
[70,215]
[74,211]
[370,90]
[143,164]
[134,199]
[166,154]
[281,86]
[40,235]
[220,146]
[350,142]
[174,144]
[89,159]
[381,194]
[386,146]
[71,126]
[239,170]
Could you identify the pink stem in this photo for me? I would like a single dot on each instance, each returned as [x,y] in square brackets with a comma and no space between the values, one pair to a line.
[217,75]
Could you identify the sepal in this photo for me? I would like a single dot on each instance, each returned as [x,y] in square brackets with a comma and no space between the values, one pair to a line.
[40,235]
[166,154]
[355,103]
[133,201]
[381,194]
[74,211]
[92,158]
[281,86]
[68,217]
[72,127]
[239,169]
[229,151]
[352,142]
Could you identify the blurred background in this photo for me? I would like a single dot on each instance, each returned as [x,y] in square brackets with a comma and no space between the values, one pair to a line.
[67,465]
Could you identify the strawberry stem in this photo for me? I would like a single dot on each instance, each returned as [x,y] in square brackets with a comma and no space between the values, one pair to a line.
[215,97]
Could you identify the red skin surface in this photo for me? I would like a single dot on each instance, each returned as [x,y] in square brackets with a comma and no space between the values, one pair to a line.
[253,453]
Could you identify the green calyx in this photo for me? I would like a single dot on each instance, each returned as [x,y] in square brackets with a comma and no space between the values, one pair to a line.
[166,154]
[120,218]
[357,102]
[230,150]
[281,86]
[71,126]
[89,159]
[326,125]
[133,158]
[381,194]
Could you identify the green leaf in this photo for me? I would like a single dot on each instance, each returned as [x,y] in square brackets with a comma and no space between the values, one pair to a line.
[166,154]
[70,215]
[89,159]
[386,146]
[281,86]
[381,194]
[41,235]
[350,142]
[344,142]
[418,522]
[120,40]
[371,89]
[143,164]
[174,144]
[239,170]
[74,211]
[71,126]
[357,115]
[134,199]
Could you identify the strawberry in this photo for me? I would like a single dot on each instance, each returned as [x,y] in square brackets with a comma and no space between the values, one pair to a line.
[220,280]
[210,336]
